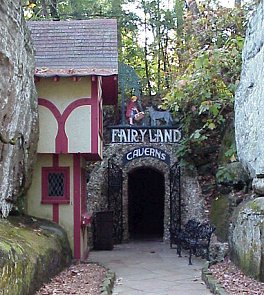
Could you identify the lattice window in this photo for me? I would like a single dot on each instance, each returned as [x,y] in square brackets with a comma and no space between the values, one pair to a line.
[55,185]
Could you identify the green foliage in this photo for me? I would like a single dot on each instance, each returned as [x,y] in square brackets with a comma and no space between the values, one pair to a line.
[231,153]
[207,73]
[72,9]
[224,174]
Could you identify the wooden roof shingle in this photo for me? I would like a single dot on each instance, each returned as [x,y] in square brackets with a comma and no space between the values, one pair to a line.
[76,47]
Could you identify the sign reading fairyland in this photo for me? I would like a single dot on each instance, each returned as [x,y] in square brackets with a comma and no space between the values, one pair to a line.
[145,134]
[138,125]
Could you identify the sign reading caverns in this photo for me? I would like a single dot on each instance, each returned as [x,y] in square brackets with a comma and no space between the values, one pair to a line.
[137,135]
[146,152]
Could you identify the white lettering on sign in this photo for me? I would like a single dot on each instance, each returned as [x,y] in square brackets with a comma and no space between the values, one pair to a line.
[146,152]
[130,135]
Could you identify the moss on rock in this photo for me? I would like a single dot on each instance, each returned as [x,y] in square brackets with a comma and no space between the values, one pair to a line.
[247,238]
[32,250]
[220,216]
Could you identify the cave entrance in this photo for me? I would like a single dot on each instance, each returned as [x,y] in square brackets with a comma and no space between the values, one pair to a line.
[146,192]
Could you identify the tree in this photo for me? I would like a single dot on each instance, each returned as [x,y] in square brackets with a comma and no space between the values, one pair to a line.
[208,71]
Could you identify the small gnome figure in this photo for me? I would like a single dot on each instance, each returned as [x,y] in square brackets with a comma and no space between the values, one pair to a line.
[132,112]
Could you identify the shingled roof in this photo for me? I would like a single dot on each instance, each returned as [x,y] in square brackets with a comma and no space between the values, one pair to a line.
[75,48]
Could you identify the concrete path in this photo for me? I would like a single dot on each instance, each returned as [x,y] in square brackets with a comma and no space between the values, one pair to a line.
[151,267]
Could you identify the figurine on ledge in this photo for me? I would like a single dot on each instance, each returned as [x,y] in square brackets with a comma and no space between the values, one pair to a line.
[132,112]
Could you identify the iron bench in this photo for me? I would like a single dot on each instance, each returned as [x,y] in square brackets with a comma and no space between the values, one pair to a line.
[195,237]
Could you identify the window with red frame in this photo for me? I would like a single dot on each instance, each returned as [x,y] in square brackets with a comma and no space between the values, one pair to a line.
[55,185]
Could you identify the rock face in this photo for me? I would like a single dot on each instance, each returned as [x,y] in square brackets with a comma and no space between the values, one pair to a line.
[18,108]
[249,103]
[246,241]
[32,251]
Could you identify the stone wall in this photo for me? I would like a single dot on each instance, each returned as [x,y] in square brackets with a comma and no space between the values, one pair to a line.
[246,234]
[190,188]
[247,238]
[18,108]
[249,102]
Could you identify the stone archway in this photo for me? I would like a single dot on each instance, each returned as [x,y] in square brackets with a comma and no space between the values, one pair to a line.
[193,203]
[146,192]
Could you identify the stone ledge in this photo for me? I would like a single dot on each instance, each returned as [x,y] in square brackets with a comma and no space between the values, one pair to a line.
[32,250]
[108,283]
[211,282]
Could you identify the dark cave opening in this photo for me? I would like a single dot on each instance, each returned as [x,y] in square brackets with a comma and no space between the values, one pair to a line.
[146,191]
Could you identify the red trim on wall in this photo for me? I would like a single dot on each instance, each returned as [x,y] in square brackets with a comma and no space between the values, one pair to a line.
[74,105]
[77,204]
[51,106]
[56,213]
[61,141]
[95,115]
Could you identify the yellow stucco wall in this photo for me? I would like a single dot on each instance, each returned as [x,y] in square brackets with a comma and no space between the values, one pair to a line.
[66,210]
[78,130]
[78,124]
[33,197]
[48,131]
[65,91]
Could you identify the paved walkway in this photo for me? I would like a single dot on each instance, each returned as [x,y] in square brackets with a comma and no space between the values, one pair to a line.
[151,268]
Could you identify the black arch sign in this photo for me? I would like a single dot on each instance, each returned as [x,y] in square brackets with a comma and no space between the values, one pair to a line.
[147,152]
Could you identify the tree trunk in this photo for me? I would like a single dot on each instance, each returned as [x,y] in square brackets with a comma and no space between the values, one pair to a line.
[53,10]
[164,50]
[146,55]
[116,11]
[44,8]
[193,7]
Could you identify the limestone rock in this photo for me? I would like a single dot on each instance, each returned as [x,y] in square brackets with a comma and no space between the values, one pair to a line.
[246,241]
[18,108]
[249,102]
[32,250]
